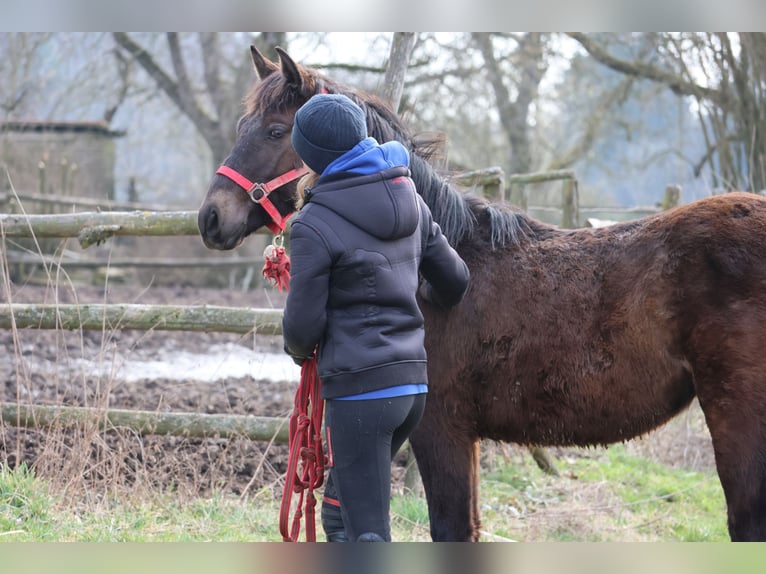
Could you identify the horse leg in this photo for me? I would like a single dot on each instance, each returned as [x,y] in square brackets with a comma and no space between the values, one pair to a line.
[735,405]
[448,462]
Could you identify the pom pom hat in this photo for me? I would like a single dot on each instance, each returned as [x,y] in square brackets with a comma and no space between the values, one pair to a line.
[325,128]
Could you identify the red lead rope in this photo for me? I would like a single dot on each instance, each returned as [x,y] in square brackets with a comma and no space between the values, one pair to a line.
[305,448]
[306,462]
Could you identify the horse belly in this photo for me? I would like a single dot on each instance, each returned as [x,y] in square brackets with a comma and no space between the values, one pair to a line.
[564,408]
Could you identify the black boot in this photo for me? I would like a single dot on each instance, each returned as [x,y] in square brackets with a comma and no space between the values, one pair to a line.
[332,519]
[332,522]
[370,537]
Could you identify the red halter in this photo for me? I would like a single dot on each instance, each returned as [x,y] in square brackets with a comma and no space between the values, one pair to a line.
[264,189]
[259,192]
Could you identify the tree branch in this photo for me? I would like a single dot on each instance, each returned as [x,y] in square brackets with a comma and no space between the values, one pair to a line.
[180,90]
[185,92]
[677,85]
[144,58]
[123,67]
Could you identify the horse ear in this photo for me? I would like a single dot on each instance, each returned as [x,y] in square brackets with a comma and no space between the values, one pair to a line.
[290,69]
[263,66]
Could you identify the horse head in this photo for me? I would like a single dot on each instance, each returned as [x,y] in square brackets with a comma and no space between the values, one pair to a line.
[239,199]
[256,184]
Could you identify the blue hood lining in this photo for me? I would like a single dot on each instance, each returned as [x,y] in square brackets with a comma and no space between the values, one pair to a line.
[368,157]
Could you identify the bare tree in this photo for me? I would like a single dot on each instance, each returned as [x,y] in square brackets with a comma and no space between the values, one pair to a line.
[514,104]
[17,68]
[209,91]
[726,76]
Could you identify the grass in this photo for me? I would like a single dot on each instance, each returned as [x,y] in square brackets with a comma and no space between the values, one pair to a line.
[689,506]
[604,495]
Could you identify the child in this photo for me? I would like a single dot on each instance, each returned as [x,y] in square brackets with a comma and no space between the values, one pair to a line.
[358,246]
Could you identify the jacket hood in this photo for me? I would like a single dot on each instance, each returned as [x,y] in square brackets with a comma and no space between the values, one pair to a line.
[368,156]
[375,192]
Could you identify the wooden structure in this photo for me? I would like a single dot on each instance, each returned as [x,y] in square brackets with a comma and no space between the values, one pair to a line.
[54,158]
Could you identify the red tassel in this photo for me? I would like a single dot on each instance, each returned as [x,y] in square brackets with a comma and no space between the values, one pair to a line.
[276,266]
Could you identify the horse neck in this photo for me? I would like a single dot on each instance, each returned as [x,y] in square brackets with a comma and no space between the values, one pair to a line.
[448,206]
[458,214]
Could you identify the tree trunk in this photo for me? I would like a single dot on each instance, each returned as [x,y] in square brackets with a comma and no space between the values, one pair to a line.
[398,61]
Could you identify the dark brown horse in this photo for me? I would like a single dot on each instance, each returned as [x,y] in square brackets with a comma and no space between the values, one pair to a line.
[566,337]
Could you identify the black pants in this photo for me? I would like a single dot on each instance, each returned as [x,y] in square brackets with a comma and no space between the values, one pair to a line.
[362,439]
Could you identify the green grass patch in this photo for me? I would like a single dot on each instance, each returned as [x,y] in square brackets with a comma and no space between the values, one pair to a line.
[604,495]
[601,495]
[24,505]
[674,504]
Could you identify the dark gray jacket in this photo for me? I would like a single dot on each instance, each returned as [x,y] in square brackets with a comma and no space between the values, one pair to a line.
[356,248]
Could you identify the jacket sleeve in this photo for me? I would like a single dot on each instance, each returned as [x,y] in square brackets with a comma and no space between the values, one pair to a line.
[305,313]
[445,274]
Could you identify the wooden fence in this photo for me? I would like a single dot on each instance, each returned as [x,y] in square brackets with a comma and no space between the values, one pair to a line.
[94,227]
[91,228]
[200,318]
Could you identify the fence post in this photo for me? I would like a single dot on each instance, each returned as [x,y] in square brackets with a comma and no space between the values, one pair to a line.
[518,195]
[671,198]
[570,216]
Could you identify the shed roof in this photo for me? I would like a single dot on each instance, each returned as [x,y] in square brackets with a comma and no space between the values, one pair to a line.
[100,128]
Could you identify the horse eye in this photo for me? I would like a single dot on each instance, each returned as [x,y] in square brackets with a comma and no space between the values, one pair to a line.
[276,133]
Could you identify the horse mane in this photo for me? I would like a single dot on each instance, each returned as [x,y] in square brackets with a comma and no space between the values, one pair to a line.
[457,212]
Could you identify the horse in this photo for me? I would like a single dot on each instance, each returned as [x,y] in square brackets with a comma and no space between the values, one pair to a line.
[579,337]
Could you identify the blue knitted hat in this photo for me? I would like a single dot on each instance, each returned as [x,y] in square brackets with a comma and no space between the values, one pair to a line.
[325,128]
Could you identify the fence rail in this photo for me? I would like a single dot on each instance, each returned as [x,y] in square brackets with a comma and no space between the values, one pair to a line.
[94,227]
[199,318]
[197,425]
[135,262]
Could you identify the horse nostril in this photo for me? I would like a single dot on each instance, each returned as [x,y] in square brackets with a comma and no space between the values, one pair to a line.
[211,222]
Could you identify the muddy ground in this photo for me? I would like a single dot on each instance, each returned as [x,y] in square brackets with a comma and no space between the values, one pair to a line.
[88,369]
[55,367]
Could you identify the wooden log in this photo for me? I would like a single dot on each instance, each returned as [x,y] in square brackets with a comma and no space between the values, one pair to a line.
[198,318]
[138,262]
[198,425]
[126,222]
[517,184]
[544,460]
[94,227]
